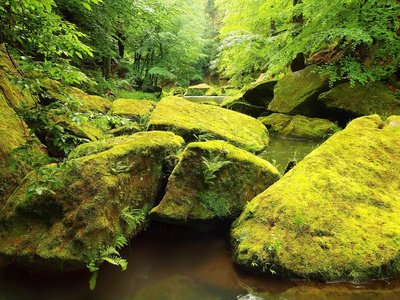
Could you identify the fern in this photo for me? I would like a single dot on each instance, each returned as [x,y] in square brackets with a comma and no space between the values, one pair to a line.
[212,166]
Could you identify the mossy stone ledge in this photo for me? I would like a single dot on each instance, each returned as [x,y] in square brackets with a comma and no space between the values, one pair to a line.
[102,194]
[190,120]
[335,216]
[297,93]
[299,127]
[212,183]
[132,109]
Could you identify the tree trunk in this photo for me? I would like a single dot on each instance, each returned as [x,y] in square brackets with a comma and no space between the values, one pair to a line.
[106,67]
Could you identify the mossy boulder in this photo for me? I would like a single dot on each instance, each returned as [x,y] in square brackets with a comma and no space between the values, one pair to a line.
[334,216]
[212,182]
[132,109]
[91,103]
[299,127]
[13,130]
[237,103]
[189,120]
[297,93]
[360,100]
[198,90]
[106,194]
[260,93]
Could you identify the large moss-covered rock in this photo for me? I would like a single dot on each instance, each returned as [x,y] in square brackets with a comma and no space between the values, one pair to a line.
[106,194]
[260,93]
[91,103]
[189,120]
[360,100]
[132,109]
[198,90]
[299,126]
[214,180]
[13,129]
[335,216]
[297,93]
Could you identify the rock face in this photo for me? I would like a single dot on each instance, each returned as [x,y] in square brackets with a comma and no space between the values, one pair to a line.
[260,94]
[297,93]
[335,216]
[360,100]
[105,195]
[237,103]
[189,120]
[132,109]
[214,180]
[198,90]
[12,129]
[299,126]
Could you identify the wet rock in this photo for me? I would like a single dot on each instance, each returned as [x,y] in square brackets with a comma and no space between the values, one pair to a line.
[213,182]
[334,216]
[299,126]
[107,193]
[297,93]
[191,120]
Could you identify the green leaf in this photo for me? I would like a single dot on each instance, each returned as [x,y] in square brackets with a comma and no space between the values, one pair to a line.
[93,280]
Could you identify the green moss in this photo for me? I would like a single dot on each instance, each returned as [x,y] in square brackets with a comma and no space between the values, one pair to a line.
[198,90]
[191,199]
[361,100]
[85,215]
[132,109]
[299,126]
[297,93]
[189,119]
[335,216]
[91,103]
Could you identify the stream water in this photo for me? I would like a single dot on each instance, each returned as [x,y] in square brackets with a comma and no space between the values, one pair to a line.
[170,263]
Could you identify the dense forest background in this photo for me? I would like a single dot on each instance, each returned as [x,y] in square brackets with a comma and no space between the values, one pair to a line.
[148,44]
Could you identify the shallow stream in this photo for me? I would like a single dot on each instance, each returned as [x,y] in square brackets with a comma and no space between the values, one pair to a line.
[169,263]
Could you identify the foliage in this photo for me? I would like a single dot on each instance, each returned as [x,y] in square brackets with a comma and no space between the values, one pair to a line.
[108,254]
[355,40]
[212,166]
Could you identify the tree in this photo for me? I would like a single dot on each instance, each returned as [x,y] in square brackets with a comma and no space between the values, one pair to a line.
[349,39]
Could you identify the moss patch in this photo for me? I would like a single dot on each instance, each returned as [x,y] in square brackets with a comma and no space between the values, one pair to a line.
[335,216]
[297,93]
[361,100]
[299,126]
[189,119]
[213,181]
[198,90]
[67,229]
[132,109]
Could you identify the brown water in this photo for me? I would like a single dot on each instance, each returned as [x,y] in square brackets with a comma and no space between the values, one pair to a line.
[169,263]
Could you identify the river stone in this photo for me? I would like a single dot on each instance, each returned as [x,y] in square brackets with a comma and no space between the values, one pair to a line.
[198,90]
[260,93]
[334,216]
[213,181]
[106,194]
[189,120]
[132,109]
[297,93]
[299,127]
[360,100]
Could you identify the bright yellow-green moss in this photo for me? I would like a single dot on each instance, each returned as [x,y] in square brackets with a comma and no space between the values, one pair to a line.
[297,93]
[189,120]
[67,229]
[361,100]
[335,216]
[132,109]
[213,180]
[299,126]
[91,103]
[198,90]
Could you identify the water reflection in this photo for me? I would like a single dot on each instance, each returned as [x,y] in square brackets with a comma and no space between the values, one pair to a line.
[281,150]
